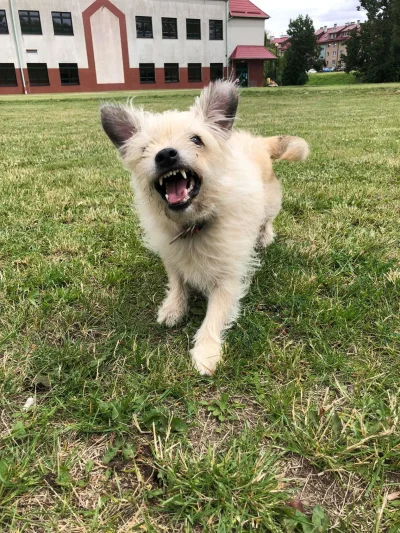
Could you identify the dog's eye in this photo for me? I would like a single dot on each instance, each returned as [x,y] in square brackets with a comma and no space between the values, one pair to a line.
[197,140]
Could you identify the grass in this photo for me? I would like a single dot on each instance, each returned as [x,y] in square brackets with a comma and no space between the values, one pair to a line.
[322,79]
[299,428]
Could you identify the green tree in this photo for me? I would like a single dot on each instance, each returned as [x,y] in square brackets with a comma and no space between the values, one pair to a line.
[374,50]
[303,51]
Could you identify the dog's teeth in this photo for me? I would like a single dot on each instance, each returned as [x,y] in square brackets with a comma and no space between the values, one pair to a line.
[174,172]
[183,174]
[161,181]
[166,197]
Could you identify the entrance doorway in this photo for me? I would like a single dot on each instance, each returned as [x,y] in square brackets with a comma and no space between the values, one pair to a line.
[242,74]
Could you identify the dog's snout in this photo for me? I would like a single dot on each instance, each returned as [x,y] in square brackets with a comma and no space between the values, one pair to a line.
[167,157]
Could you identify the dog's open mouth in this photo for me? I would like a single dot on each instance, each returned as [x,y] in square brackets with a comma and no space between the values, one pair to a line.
[178,187]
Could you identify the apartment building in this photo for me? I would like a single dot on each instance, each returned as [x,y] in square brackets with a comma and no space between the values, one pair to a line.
[101,45]
[331,40]
[333,43]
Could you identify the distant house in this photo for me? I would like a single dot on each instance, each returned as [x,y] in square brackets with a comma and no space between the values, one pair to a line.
[281,44]
[331,40]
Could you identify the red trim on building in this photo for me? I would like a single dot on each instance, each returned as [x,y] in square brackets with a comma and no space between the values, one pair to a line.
[86,15]
[88,82]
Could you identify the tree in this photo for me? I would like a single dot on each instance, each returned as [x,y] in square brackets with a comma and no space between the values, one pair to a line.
[303,51]
[374,50]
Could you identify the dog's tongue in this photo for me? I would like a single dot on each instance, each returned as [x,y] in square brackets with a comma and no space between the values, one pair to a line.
[176,189]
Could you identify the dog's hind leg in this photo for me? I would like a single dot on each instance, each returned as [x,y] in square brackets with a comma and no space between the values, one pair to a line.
[175,304]
[267,234]
[223,306]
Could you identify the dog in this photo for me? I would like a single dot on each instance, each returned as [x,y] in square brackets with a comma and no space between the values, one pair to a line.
[206,198]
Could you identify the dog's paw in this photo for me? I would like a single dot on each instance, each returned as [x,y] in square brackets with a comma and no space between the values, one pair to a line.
[205,357]
[170,313]
[267,236]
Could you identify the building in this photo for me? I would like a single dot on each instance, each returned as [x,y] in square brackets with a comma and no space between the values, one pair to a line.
[281,44]
[333,43]
[331,40]
[104,45]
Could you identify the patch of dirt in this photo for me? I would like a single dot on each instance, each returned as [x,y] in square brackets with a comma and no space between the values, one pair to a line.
[341,495]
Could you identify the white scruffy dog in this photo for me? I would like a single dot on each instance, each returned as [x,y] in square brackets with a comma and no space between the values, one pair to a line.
[205,197]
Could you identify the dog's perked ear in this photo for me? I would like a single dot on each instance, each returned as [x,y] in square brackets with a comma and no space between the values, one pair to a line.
[118,122]
[217,105]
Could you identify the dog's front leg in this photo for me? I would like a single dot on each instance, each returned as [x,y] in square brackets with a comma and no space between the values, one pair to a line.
[175,304]
[223,306]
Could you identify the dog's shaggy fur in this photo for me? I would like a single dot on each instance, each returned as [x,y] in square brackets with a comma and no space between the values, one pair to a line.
[227,206]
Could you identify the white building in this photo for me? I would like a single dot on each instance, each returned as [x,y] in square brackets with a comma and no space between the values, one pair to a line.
[100,45]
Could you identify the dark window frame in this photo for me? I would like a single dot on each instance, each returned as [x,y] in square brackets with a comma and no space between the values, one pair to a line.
[33,68]
[62,15]
[70,72]
[9,80]
[144,69]
[28,30]
[144,20]
[214,75]
[193,34]
[166,32]
[4,24]
[169,77]
[216,31]
[196,73]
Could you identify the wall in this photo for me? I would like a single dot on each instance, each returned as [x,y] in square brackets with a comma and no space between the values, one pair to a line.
[83,47]
[245,31]
[51,49]
[181,50]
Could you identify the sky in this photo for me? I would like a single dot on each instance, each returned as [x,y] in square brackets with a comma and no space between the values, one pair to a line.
[322,12]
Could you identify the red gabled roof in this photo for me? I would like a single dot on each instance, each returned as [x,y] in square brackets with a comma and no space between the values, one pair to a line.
[245,8]
[251,52]
[279,40]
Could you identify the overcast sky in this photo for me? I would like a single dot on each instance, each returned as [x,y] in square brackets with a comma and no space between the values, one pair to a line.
[323,13]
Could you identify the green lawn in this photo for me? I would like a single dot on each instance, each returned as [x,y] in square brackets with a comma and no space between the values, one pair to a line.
[330,78]
[125,436]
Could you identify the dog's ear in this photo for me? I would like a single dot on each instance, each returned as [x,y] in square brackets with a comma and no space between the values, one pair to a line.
[119,123]
[217,104]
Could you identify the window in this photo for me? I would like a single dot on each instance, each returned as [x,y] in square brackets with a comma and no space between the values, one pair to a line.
[171,72]
[169,28]
[144,27]
[333,62]
[216,31]
[3,22]
[193,30]
[334,53]
[194,71]
[216,71]
[147,73]
[332,35]
[327,53]
[38,74]
[30,22]
[8,77]
[334,44]
[69,74]
[62,23]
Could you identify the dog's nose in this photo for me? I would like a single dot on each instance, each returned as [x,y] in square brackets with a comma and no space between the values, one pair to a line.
[166,157]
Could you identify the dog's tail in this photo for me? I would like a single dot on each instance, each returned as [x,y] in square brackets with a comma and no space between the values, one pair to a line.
[287,147]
